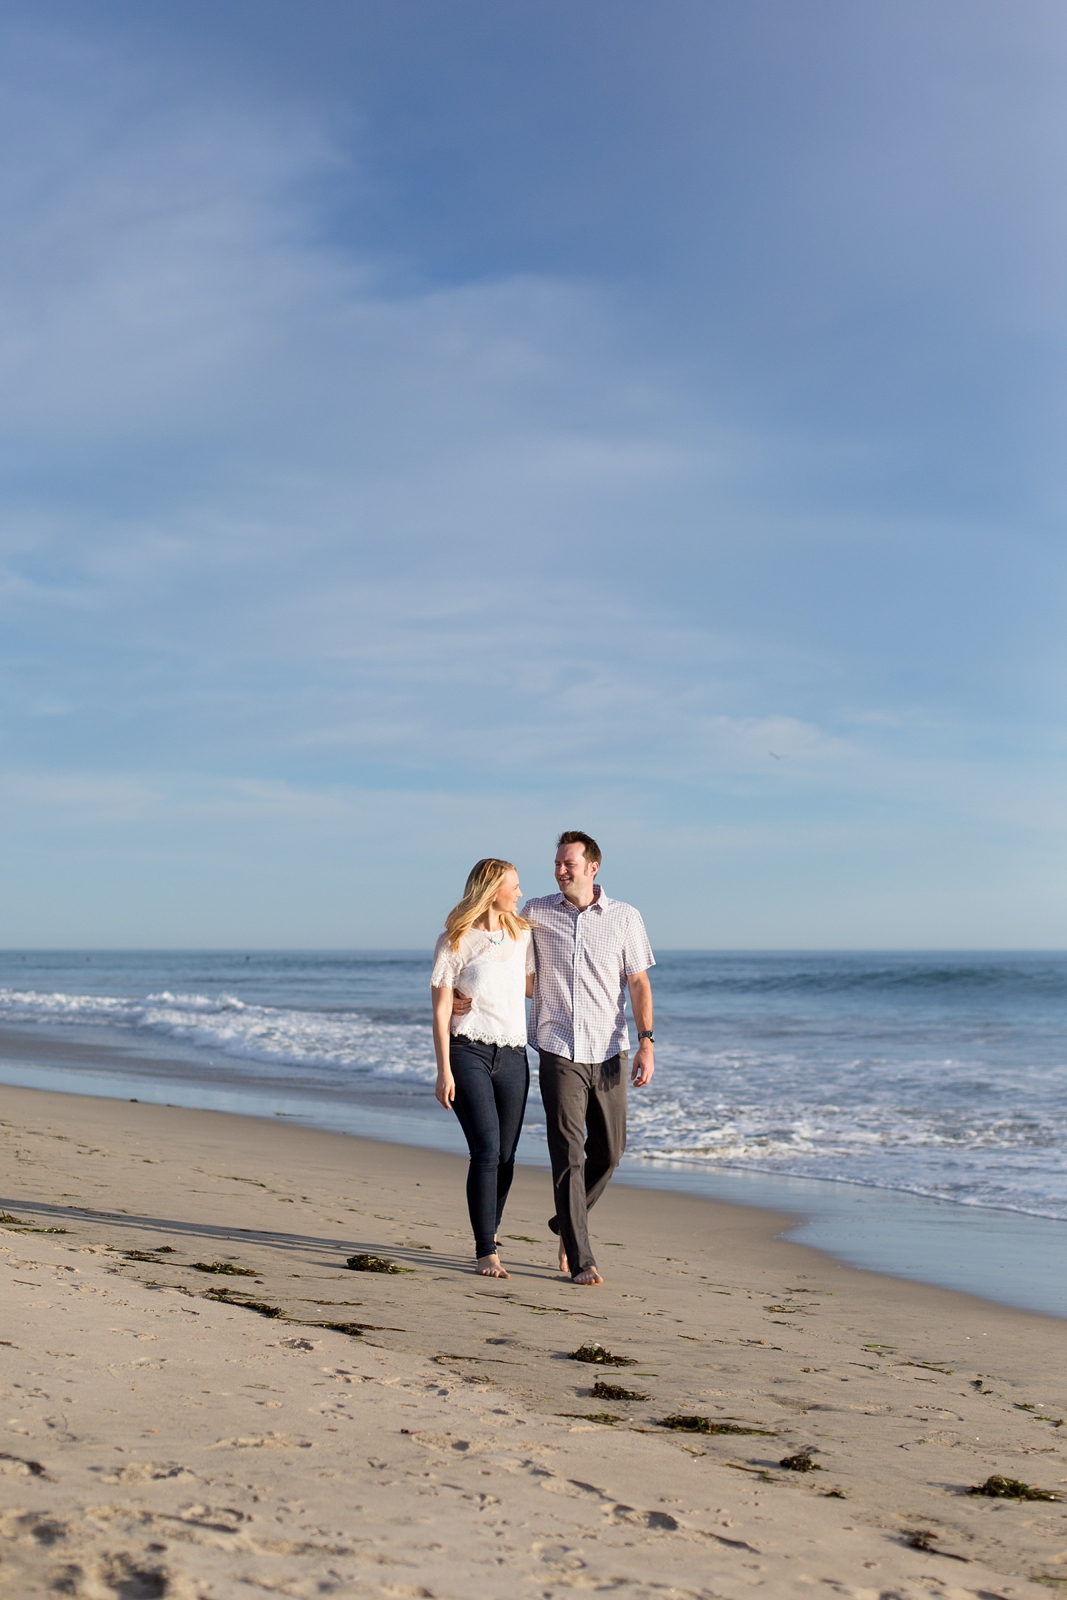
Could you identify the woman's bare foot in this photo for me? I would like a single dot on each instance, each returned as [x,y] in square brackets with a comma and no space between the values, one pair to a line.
[563,1265]
[589,1276]
[491,1267]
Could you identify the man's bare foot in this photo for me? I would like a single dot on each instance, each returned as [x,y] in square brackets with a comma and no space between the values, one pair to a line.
[491,1267]
[589,1276]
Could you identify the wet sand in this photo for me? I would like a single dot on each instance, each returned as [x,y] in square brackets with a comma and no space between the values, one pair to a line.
[160,1440]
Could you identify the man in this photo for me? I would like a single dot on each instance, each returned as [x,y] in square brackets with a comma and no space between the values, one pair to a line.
[590,950]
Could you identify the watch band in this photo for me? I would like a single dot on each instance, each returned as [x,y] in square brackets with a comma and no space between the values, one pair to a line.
[647,1034]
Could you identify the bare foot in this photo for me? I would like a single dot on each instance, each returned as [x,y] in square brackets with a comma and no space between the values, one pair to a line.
[491,1267]
[589,1276]
[563,1266]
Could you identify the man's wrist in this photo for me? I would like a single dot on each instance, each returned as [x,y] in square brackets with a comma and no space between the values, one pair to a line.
[645,1037]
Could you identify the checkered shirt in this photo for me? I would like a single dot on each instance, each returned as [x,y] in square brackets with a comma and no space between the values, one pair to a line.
[583,961]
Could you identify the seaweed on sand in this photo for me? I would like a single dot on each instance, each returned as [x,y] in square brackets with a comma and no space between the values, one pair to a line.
[596,1354]
[925,1539]
[615,1391]
[999,1488]
[606,1418]
[801,1462]
[229,1298]
[227,1268]
[374,1264]
[684,1424]
[34,1468]
[27,1227]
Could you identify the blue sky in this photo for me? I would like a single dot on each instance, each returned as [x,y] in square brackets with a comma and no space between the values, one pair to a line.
[430,426]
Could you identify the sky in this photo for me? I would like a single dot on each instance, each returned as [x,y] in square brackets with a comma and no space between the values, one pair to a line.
[427,427]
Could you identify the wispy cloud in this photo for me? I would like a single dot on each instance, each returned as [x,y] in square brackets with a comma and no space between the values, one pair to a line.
[309,534]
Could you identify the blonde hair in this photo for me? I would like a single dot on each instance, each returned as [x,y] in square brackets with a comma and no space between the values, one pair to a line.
[483,882]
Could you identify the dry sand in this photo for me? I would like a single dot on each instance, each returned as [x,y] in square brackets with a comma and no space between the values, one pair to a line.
[161,1443]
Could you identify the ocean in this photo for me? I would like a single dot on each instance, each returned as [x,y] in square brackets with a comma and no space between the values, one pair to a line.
[809,1081]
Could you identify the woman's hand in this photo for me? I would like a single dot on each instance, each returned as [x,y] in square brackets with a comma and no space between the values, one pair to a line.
[445,1089]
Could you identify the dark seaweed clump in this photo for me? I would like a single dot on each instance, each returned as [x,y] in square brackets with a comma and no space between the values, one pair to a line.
[34,1468]
[926,1539]
[27,1227]
[998,1488]
[374,1264]
[684,1424]
[599,1356]
[606,1418]
[227,1268]
[801,1462]
[615,1391]
[228,1298]
[353,1329]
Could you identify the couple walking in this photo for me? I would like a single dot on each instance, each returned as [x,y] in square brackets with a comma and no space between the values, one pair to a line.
[575,953]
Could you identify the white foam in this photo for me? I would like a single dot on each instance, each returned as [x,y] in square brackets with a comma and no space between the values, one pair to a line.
[941,1145]
[887,1104]
[344,1042]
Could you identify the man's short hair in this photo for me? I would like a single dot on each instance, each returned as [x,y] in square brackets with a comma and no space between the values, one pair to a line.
[590,846]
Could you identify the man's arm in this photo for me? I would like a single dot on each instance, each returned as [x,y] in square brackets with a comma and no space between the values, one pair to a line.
[644,1064]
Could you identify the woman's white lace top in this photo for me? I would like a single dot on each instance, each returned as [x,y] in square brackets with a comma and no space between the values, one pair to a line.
[494,975]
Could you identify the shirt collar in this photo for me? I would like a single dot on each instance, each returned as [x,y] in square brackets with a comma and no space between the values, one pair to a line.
[598,904]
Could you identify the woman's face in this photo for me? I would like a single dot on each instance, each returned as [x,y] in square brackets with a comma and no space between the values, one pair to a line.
[509,893]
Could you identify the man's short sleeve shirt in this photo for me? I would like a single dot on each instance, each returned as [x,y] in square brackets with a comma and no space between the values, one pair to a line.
[583,961]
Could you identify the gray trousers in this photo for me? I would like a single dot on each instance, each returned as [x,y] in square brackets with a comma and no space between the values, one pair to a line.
[585,1108]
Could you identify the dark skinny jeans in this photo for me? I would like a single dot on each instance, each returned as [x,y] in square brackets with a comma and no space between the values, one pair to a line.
[492,1082]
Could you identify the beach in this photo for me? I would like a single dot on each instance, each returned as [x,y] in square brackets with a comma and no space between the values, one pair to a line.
[181,1432]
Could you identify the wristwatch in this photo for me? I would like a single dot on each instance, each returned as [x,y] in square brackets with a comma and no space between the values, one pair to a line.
[648,1034]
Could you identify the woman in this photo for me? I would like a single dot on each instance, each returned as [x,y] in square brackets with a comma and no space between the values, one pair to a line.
[482,1072]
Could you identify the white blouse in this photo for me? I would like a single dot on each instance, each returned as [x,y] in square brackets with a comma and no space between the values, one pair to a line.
[494,975]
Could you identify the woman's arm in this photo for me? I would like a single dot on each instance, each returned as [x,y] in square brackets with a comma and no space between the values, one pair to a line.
[445,1088]
[529,985]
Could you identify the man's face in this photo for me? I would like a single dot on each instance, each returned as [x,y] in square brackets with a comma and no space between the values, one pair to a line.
[572,869]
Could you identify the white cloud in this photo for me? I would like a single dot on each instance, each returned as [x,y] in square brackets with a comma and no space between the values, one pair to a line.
[297,541]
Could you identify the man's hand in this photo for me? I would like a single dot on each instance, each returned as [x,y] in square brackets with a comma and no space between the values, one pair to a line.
[644,1064]
[461,1003]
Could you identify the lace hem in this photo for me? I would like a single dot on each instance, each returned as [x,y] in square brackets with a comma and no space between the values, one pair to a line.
[481,1036]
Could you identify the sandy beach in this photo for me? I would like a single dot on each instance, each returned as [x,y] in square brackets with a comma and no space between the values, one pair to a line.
[180,1432]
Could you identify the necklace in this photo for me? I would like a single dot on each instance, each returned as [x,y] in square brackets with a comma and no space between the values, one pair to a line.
[500,940]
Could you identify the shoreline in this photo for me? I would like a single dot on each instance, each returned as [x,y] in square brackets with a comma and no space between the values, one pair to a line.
[1015,1258]
[457,1395]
